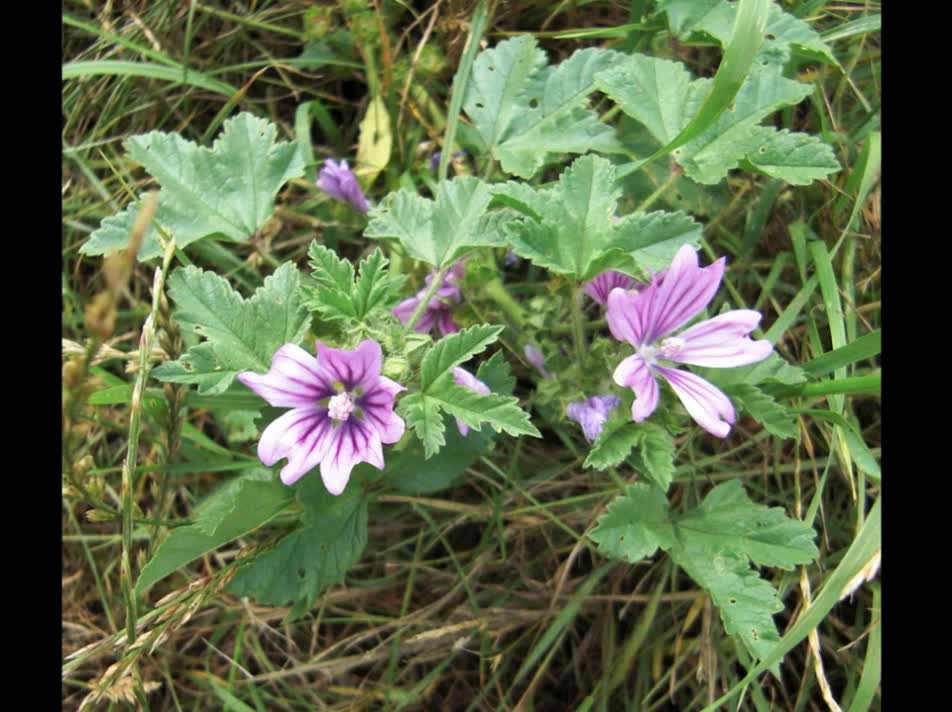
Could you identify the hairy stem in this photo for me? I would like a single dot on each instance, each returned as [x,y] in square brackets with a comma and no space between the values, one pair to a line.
[421,307]
[578,327]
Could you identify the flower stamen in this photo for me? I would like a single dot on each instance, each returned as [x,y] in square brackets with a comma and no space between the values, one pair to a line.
[340,407]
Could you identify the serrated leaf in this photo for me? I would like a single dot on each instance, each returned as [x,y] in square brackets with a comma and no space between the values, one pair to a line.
[337,295]
[240,334]
[714,543]
[455,349]
[316,555]
[776,419]
[655,455]
[524,111]
[329,270]
[236,508]
[614,443]
[796,158]
[635,525]
[437,231]
[374,287]
[569,227]
[496,374]
[423,416]
[501,412]
[661,95]
[784,33]
[729,519]
[227,190]
[374,144]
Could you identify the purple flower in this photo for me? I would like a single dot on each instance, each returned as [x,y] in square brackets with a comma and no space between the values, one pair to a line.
[467,380]
[341,411]
[592,413]
[510,259]
[601,286]
[534,356]
[646,320]
[338,181]
[438,311]
[435,159]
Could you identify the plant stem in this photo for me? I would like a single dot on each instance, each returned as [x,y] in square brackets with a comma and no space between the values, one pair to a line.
[129,466]
[578,327]
[494,289]
[649,201]
[421,307]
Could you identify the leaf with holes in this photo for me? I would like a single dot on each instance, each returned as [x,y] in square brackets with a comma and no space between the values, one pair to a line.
[227,190]
[526,112]
[240,334]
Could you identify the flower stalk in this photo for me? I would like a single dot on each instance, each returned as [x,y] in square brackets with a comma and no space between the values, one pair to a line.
[421,307]
[129,466]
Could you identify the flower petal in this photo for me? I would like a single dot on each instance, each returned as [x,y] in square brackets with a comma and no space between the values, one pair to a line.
[709,407]
[722,342]
[601,286]
[357,368]
[626,315]
[349,443]
[446,323]
[293,381]
[376,406]
[302,440]
[683,293]
[634,373]
[592,413]
[404,310]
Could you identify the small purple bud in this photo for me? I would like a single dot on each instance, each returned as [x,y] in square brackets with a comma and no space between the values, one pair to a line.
[510,259]
[534,356]
[338,181]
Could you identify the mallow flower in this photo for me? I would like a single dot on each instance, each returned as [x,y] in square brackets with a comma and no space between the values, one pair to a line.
[592,413]
[467,380]
[341,411]
[338,181]
[601,286]
[647,320]
[438,311]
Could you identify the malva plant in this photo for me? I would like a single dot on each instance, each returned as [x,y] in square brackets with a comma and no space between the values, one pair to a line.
[405,369]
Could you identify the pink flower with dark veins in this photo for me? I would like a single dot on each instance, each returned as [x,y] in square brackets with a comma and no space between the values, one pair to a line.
[439,310]
[341,411]
[648,319]
[601,286]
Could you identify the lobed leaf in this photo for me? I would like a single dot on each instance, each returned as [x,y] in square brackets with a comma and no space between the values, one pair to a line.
[455,349]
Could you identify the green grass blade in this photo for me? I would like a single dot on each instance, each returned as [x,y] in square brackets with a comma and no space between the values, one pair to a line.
[121,68]
[872,667]
[864,347]
[460,80]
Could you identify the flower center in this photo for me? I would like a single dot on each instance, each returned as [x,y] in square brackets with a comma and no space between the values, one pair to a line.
[340,406]
[670,347]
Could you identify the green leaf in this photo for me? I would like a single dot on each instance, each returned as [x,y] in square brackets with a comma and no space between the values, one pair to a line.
[501,412]
[525,111]
[715,544]
[785,34]
[236,508]
[616,440]
[437,231]
[655,455]
[496,374]
[455,349]
[796,158]
[227,190]
[318,554]
[731,521]
[635,525]
[337,296]
[423,416]
[409,470]
[240,334]
[772,369]
[776,419]
[569,227]
[661,95]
